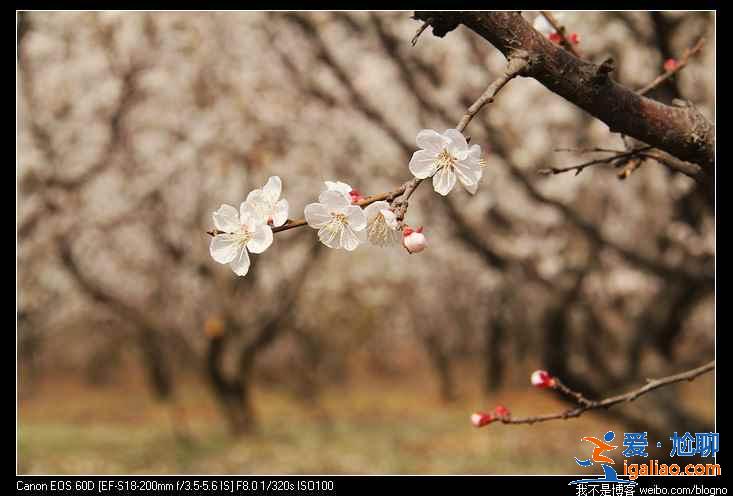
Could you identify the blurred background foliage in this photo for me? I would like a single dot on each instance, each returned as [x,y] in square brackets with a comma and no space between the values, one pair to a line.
[138,353]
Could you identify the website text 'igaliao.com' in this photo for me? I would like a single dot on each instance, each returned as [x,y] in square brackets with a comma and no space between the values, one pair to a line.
[653,467]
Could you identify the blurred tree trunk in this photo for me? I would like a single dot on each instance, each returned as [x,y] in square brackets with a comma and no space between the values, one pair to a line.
[155,363]
[441,365]
[231,392]
[495,331]
[234,392]
[311,350]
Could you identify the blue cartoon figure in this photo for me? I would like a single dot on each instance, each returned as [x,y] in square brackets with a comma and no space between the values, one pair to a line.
[601,446]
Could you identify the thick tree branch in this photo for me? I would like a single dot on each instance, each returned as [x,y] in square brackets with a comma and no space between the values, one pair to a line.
[681,131]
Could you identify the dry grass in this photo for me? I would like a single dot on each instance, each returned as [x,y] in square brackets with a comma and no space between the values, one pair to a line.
[374,427]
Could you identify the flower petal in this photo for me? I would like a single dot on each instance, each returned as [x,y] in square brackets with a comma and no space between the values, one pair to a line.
[390,218]
[224,248]
[273,188]
[431,141]
[261,239]
[330,234]
[280,213]
[444,180]
[349,239]
[260,204]
[249,217]
[469,174]
[422,164]
[317,215]
[458,146]
[475,152]
[255,196]
[339,186]
[334,200]
[240,265]
[356,217]
[226,218]
[373,209]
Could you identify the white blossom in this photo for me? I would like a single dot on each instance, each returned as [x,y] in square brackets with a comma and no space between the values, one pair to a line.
[345,189]
[446,157]
[267,203]
[240,231]
[382,227]
[339,186]
[337,220]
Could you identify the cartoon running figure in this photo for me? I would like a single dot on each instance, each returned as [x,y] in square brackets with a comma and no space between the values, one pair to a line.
[601,447]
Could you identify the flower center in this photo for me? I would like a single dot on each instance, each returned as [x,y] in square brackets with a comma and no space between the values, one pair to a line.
[445,159]
[243,236]
[340,218]
[338,221]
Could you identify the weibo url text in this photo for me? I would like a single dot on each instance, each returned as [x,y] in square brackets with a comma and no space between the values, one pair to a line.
[696,489]
[653,467]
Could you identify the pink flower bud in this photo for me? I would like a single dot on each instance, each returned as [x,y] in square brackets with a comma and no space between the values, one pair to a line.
[413,239]
[501,411]
[542,379]
[574,38]
[670,65]
[480,419]
[355,195]
[555,37]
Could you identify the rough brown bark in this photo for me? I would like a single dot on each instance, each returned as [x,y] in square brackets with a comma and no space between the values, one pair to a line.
[681,131]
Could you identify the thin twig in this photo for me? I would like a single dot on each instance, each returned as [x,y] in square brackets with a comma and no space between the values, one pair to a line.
[560,29]
[419,32]
[515,66]
[586,405]
[606,160]
[590,150]
[578,397]
[659,80]
[399,197]
[630,167]
[690,52]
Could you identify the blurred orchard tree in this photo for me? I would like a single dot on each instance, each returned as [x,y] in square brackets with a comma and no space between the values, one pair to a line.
[135,127]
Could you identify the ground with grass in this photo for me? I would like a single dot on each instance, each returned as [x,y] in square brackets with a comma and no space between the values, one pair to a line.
[370,428]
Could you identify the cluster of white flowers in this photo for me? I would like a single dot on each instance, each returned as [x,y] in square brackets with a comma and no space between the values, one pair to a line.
[341,223]
[250,228]
[338,216]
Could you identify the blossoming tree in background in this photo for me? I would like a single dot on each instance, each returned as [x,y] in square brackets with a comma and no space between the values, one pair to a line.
[129,149]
